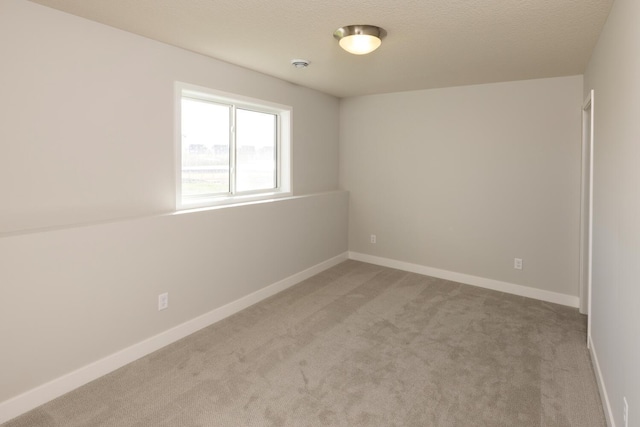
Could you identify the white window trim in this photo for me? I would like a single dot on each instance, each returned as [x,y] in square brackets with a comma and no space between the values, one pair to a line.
[284,150]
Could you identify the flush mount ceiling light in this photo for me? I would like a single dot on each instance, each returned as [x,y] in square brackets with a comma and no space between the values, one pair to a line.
[360,39]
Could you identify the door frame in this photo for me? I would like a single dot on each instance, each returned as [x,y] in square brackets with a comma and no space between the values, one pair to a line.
[586,210]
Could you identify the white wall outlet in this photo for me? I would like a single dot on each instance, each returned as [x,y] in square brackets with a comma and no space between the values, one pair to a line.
[517,263]
[163,301]
[625,412]
[373,238]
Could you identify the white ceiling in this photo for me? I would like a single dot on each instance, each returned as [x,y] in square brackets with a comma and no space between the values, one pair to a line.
[430,43]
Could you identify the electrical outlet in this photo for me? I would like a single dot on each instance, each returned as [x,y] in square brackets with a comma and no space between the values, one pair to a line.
[163,301]
[373,238]
[517,263]
[625,412]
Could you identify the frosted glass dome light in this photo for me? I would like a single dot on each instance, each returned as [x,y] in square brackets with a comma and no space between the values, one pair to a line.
[360,39]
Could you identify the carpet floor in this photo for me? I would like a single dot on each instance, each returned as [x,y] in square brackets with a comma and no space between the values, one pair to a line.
[357,345]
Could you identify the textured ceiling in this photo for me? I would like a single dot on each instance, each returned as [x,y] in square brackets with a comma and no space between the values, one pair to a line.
[430,43]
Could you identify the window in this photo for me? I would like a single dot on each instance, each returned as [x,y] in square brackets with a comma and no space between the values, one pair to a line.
[230,149]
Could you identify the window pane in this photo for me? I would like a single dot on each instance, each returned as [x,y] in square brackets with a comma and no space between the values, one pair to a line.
[255,150]
[205,147]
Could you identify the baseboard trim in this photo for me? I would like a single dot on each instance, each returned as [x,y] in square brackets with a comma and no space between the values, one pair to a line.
[496,285]
[606,405]
[44,393]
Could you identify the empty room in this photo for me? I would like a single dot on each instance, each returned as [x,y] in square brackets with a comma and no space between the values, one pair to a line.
[304,213]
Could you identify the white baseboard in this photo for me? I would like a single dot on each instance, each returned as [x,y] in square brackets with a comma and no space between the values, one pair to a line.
[496,285]
[608,413]
[33,398]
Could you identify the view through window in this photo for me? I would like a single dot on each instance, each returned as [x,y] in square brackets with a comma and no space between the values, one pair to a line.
[230,150]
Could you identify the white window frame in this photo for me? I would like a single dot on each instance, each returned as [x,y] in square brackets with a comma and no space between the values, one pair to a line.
[283,115]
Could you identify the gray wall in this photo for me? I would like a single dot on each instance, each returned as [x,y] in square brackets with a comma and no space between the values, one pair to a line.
[87,141]
[72,296]
[88,119]
[614,73]
[465,179]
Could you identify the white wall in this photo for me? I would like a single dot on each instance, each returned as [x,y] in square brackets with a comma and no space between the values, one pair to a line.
[86,142]
[465,179]
[614,73]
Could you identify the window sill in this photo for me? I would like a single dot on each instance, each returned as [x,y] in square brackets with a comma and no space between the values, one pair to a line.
[212,203]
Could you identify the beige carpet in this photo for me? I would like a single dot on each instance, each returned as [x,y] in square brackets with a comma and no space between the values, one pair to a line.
[357,345]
